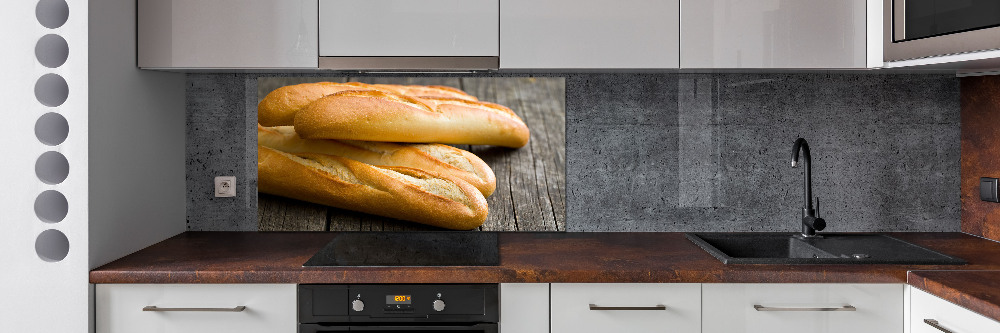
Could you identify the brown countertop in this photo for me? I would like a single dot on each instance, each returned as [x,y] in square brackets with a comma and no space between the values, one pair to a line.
[978,291]
[254,257]
[277,257]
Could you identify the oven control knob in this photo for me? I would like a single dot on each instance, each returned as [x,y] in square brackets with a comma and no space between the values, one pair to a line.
[358,305]
[438,305]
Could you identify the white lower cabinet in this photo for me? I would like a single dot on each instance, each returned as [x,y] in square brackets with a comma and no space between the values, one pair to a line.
[802,308]
[196,308]
[626,307]
[524,307]
[570,307]
[930,314]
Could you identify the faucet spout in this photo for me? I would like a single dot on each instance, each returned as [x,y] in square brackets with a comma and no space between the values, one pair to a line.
[803,146]
[810,222]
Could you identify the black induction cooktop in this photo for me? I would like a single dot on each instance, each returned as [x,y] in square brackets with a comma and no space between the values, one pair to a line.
[438,248]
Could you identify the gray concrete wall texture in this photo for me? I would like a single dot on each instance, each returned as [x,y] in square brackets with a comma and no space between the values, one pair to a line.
[684,152]
[221,141]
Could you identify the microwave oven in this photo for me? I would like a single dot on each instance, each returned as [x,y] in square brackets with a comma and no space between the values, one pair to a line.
[915,29]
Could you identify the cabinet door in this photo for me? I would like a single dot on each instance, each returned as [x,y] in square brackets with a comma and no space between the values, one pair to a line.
[268,308]
[626,307]
[227,34]
[773,34]
[589,34]
[409,28]
[802,308]
[524,308]
[947,315]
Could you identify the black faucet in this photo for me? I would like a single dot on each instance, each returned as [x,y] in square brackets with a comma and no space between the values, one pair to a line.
[810,222]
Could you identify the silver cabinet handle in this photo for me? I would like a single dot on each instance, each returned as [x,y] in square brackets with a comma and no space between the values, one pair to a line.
[935,324]
[616,308]
[233,309]
[759,307]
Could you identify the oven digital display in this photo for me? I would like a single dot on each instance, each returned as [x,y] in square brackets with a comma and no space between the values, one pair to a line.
[397,299]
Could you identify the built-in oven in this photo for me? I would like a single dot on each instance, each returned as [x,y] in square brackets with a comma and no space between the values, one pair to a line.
[388,308]
[927,28]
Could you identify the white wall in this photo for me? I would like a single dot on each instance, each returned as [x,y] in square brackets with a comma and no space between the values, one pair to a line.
[124,187]
[137,126]
[38,295]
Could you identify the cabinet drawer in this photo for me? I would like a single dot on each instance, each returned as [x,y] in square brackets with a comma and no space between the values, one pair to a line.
[949,316]
[641,307]
[729,308]
[268,308]
[409,28]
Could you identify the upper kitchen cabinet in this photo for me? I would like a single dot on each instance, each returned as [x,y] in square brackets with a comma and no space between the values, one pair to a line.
[409,35]
[581,34]
[780,34]
[221,34]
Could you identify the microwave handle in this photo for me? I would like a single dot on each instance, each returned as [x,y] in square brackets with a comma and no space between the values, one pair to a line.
[898,18]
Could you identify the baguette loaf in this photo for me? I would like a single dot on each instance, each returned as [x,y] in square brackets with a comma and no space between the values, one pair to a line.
[437,159]
[278,108]
[371,115]
[397,192]
[425,91]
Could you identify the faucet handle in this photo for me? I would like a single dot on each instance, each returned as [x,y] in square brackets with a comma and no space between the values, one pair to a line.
[818,223]
[817,206]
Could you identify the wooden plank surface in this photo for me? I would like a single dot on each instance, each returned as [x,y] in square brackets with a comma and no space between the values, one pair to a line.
[276,213]
[531,180]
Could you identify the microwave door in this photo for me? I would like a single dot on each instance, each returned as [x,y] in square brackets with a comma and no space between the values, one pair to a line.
[914,29]
[916,19]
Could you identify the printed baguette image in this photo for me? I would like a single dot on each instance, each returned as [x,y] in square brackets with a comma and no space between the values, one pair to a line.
[411,154]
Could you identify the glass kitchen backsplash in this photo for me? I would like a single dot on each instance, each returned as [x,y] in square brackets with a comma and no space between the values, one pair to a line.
[411,153]
[642,152]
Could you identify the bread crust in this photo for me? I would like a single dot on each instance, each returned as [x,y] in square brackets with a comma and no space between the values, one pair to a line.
[371,115]
[425,91]
[398,192]
[278,108]
[437,159]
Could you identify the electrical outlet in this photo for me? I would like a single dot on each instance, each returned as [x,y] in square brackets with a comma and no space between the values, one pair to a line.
[225,186]
[988,189]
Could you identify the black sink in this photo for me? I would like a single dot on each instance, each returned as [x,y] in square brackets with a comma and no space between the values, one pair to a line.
[787,248]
